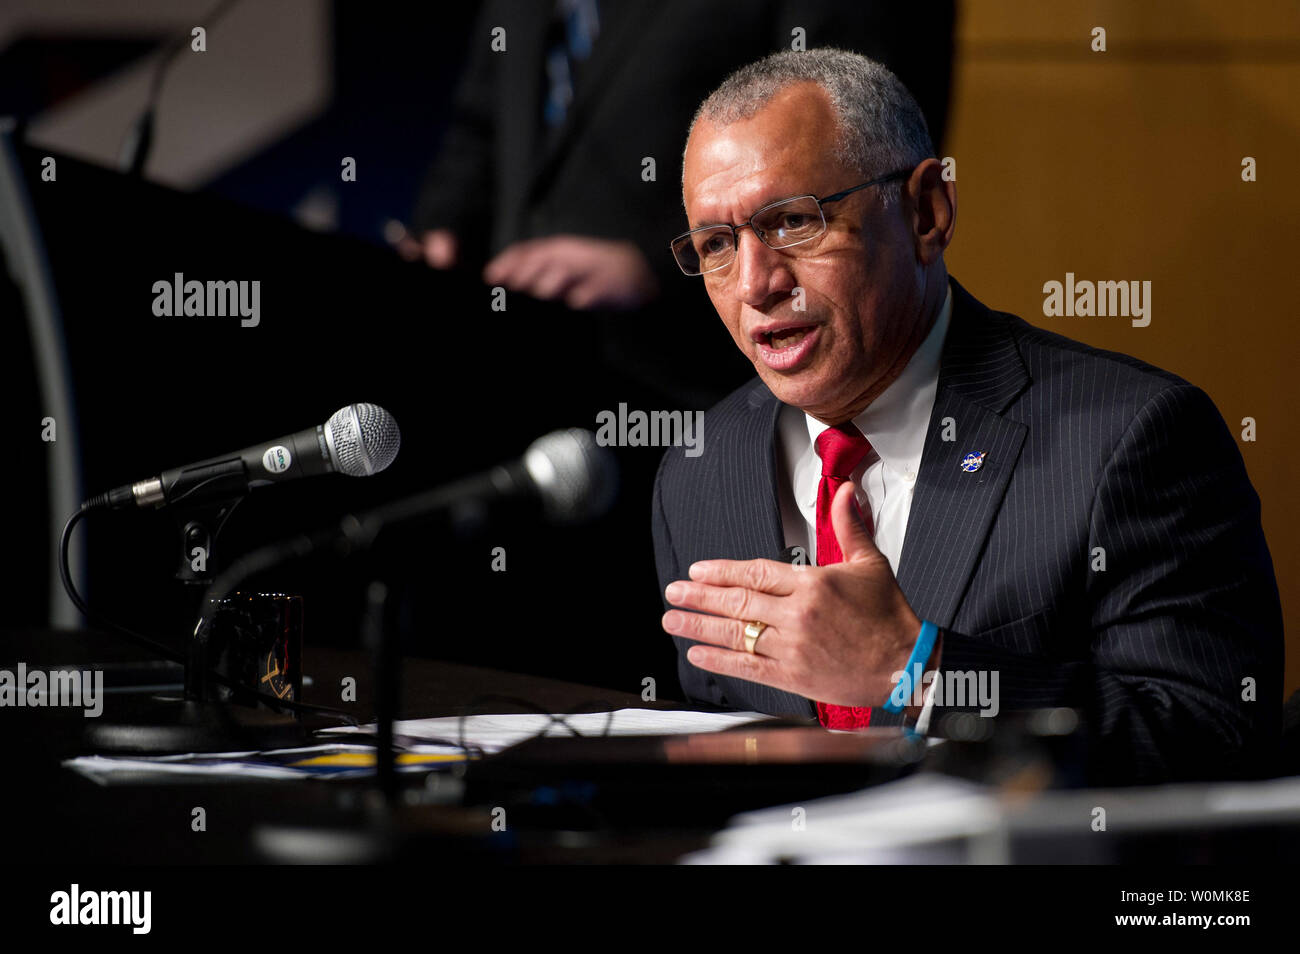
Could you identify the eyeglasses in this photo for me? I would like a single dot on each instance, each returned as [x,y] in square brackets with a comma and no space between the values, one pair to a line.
[780,224]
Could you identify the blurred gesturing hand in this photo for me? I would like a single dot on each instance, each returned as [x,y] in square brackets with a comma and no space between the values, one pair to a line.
[835,633]
[583,272]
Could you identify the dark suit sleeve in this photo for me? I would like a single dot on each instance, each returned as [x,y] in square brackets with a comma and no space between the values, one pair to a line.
[1184,617]
[458,189]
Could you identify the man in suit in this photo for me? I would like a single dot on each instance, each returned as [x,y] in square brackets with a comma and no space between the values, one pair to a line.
[1072,527]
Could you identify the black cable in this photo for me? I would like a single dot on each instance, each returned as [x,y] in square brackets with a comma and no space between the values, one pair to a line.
[139,139]
[173,48]
[602,821]
[65,574]
[267,557]
[472,749]
[553,718]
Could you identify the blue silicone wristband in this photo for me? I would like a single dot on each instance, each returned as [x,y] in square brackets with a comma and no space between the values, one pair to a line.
[920,655]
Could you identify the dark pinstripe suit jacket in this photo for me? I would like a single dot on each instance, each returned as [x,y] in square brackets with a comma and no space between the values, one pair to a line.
[1086,449]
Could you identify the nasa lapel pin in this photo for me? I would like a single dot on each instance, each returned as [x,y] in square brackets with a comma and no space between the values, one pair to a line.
[973,462]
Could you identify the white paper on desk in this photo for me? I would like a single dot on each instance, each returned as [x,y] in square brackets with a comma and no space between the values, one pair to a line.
[101,768]
[295,763]
[492,733]
[925,818]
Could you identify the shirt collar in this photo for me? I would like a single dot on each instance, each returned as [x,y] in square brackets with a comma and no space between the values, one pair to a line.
[895,422]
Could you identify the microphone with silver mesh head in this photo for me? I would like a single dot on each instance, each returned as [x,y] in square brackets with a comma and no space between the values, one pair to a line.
[363,439]
[573,477]
[357,440]
[576,478]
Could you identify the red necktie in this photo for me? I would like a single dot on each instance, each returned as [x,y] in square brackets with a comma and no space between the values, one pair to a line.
[841,449]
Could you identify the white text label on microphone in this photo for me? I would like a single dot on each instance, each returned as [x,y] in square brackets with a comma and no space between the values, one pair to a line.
[277,459]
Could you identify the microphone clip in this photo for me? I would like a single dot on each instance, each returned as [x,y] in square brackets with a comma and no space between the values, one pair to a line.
[199,525]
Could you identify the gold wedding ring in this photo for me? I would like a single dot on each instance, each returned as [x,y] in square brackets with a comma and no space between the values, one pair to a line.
[752,632]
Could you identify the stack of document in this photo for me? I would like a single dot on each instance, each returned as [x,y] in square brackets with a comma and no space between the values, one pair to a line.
[492,733]
[315,761]
[423,745]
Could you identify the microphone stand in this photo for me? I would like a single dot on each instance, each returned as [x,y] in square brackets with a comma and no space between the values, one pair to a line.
[200,525]
[197,721]
[375,637]
[388,829]
[391,832]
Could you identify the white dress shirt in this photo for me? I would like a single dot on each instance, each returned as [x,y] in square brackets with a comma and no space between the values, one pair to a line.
[895,424]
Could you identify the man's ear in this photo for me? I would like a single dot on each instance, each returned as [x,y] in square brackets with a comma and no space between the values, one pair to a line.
[932,200]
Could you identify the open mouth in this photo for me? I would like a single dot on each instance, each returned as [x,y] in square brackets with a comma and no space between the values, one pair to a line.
[787,349]
[785,338]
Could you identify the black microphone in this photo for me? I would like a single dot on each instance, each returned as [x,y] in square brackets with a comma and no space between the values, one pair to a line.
[357,440]
[574,478]
[567,471]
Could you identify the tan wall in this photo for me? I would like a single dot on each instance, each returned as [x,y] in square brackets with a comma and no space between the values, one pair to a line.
[1127,165]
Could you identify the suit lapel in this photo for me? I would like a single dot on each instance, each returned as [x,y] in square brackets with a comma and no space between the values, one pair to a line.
[952,509]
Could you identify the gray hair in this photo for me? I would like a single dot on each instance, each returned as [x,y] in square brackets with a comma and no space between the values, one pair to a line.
[881,128]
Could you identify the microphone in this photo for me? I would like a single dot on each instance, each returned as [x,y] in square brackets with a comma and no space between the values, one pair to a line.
[357,440]
[576,478]
[573,477]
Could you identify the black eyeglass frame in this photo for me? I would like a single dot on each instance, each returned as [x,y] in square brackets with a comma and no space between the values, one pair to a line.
[749,223]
